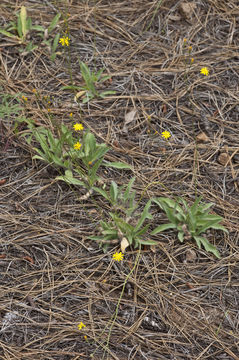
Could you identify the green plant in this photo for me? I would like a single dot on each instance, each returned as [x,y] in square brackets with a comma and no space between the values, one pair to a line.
[59,150]
[10,104]
[23,26]
[91,155]
[53,149]
[190,222]
[89,91]
[125,227]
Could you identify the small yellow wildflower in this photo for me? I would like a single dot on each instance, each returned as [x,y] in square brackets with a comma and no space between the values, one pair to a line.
[190,48]
[77,146]
[90,162]
[204,71]
[70,114]
[166,134]
[34,91]
[184,40]
[78,127]
[192,60]
[85,337]
[64,41]
[81,325]
[24,98]
[49,110]
[118,256]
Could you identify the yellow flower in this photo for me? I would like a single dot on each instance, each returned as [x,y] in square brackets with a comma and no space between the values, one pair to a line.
[24,98]
[77,146]
[70,114]
[64,41]
[78,127]
[81,325]
[184,40]
[192,60]
[204,71]
[118,256]
[166,134]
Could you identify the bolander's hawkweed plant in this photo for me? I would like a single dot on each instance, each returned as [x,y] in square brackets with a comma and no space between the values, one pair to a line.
[89,90]
[22,30]
[125,227]
[78,156]
[190,221]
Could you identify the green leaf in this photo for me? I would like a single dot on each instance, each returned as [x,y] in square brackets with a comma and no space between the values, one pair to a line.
[102,192]
[39,158]
[69,179]
[99,152]
[194,207]
[46,156]
[98,74]
[8,34]
[89,143]
[142,231]
[23,21]
[103,94]
[55,44]
[207,245]
[181,236]
[208,225]
[128,190]
[52,141]
[162,228]
[145,215]
[148,242]
[54,23]
[57,160]
[42,140]
[87,76]
[204,208]
[219,227]
[113,191]
[117,165]
[110,232]
[38,28]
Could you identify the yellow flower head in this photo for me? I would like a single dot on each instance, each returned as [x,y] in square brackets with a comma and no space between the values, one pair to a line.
[78,127]
[118,256]
[192,60]
[24,98]
[64,41]
[166,134]
[70,114]
[81,325]
[77,146]
[204,71]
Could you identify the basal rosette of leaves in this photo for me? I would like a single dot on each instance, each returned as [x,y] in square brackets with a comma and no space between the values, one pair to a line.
[190,222]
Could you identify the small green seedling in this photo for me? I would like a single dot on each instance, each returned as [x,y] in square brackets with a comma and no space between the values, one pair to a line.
[190,222]
[89,91]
